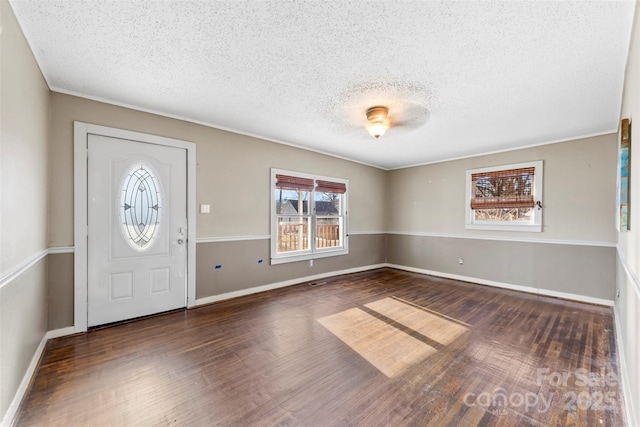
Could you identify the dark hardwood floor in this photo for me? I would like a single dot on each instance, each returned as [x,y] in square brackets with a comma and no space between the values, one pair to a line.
[379,348]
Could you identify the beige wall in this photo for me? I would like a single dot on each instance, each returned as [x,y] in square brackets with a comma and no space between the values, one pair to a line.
[233,176]
[579,192]
[573,255]
[241,270]
[568,271]
[24,118]
[233,171]
[628,304]
[23,149]
[23,324]
[60,301]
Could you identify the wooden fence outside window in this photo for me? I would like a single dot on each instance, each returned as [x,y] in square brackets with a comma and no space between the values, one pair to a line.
[295,237]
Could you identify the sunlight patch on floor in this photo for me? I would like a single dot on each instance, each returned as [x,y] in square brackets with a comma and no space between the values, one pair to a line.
[390,350]
[433,326]
[382,344]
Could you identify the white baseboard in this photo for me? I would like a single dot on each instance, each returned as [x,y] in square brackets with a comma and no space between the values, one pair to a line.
[7,420]
[63,332]
[632,417]
[623,373]
[520,288]
[255,290]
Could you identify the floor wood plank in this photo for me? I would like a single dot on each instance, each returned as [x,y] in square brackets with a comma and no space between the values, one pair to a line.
[335,355]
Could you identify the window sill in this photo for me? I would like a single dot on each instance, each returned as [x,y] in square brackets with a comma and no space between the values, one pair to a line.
[283,259]
[532,228]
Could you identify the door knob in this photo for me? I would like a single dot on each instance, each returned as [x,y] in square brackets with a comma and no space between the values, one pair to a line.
[180,241]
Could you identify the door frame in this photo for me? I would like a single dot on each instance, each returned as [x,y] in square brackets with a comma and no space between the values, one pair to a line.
[81,132]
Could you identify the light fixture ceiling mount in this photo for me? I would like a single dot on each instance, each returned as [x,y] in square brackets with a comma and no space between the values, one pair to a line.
[378,121]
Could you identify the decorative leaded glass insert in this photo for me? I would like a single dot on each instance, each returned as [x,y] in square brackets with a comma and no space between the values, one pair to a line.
[140,206]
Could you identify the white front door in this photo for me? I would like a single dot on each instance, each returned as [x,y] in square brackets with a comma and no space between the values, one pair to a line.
[137,229]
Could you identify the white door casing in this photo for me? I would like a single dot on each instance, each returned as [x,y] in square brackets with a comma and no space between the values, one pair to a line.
[116,279]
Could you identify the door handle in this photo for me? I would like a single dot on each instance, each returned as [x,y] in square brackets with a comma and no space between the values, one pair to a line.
[180,241]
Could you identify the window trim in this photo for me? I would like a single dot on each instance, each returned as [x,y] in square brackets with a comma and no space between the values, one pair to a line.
[312,252]
[534,226]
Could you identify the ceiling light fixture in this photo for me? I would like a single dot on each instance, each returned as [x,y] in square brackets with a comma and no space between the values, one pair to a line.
[378,121]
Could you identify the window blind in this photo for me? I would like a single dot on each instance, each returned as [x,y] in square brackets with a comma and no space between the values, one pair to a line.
[331,187]
[294,182]
[503,189]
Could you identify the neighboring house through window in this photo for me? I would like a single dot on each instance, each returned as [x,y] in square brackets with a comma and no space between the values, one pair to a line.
[505,197]
[308,216]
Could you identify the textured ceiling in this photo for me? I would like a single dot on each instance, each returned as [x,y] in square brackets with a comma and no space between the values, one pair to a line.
[459,77]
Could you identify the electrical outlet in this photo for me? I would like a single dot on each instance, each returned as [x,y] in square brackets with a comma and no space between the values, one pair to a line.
[310,263]
[460,261]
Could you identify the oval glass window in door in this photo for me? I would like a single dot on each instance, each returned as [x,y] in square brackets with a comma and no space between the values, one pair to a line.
[140,206]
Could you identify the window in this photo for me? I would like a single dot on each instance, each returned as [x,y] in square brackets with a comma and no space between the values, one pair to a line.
[140,206]
[308,216]
[505,197]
